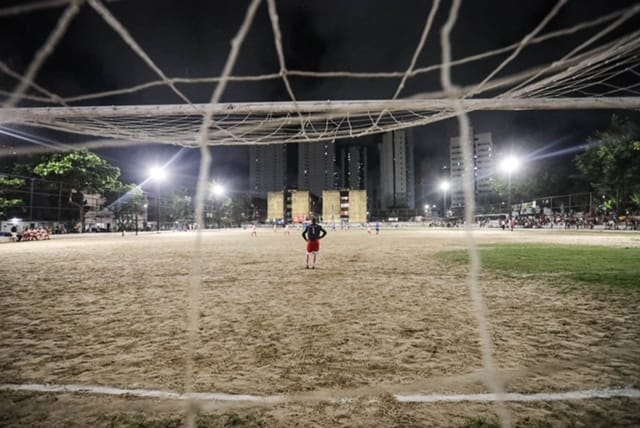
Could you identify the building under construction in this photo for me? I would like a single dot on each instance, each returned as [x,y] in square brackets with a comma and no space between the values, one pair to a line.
[336,206]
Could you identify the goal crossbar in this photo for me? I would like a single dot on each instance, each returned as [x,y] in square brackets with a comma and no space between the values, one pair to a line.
[274,122]
[20,115]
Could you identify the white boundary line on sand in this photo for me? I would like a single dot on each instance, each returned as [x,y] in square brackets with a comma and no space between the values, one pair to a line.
[146,393]
[413,398]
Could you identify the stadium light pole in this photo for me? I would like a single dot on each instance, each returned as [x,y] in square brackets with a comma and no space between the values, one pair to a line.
[444,186]
[146,214]
[158,175]
[509,165]
[217,191]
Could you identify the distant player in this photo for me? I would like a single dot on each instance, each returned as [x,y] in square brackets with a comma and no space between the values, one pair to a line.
[254,233]
[312,234]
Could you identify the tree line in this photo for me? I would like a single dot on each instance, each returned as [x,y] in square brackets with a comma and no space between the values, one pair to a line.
[64,181]
[608,165]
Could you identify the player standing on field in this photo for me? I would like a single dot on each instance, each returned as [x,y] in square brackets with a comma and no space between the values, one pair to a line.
[312,234]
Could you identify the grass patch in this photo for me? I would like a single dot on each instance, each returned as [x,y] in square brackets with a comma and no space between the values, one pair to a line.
[202,421]
[483,422]
[480,422]
[593,265]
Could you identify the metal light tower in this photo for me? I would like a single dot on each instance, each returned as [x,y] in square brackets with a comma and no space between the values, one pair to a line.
[509,165]
[158,175]
[444,186]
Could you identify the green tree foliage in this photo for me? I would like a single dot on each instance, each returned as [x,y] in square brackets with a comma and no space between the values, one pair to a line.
[83,172]
[221,209]
[10,195]
[241,209]
[14,187]
[180,207]
[126,201]
[536,181]
[533,183]
[611,164]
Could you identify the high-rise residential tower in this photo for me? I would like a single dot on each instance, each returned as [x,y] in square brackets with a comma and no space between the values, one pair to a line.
[267,168]
[353,164]
[317,167]
[483,167]
[397,181]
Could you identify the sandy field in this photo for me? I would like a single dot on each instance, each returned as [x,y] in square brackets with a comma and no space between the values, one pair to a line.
[381,315]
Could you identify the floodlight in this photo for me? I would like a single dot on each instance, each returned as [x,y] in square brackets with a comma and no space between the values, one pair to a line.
[218,190]
[510,164]
[157,173]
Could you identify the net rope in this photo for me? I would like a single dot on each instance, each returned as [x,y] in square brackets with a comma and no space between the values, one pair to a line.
[587,77]
[623,15]
[195,274]
[56,35]
[491,376]
[266,126]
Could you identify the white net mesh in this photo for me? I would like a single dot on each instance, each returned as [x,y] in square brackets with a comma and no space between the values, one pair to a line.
[598,73]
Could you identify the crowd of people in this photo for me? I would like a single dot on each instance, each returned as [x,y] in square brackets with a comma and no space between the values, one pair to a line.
[570,221]
[539,221]
[30,234]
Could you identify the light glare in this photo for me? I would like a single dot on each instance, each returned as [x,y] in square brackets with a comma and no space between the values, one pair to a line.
[218,190]
[158,173]
[510,164]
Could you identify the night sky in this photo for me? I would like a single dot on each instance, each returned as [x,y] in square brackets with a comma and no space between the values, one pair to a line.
[192,38]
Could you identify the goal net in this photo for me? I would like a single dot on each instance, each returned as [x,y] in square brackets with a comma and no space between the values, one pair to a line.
[600,72]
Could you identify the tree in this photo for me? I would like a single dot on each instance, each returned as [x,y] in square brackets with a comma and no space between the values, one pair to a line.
[11,191]
[83,173]
[126,202]
[221,210]
[180,207]
[241,209]
[611,162]
[15,187]
[535,182]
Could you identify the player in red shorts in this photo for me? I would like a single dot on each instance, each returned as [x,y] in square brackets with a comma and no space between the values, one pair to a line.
[313,233]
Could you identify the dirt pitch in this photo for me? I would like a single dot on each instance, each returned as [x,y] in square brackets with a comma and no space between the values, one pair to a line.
[381,315]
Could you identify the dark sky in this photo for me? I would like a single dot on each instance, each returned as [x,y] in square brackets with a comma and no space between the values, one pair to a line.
[188,38]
